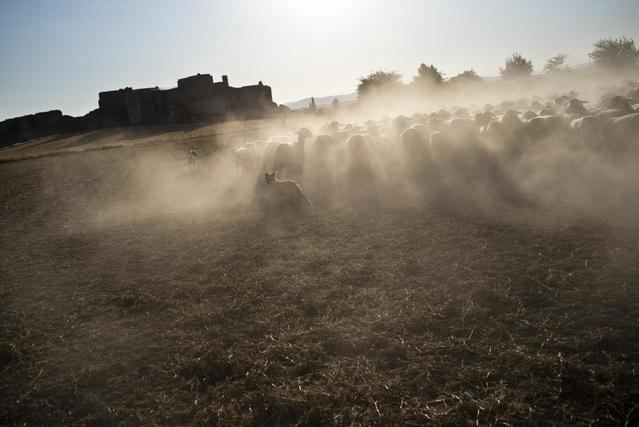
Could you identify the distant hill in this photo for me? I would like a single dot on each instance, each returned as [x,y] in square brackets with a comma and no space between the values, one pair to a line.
[320,102]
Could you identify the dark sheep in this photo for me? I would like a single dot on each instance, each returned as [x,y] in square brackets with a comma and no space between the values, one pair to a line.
[576,106]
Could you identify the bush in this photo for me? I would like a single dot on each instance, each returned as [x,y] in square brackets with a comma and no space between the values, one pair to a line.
[516,66]
[615,53]
[428,75]
[379,80]
[557,64]
[467,76]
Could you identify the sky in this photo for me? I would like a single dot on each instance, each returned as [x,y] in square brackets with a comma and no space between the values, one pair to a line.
[59,54]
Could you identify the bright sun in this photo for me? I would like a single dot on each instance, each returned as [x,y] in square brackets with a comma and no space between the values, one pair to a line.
[319,11]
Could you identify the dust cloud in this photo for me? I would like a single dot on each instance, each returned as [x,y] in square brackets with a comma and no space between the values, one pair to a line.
[446,234]
[557,142]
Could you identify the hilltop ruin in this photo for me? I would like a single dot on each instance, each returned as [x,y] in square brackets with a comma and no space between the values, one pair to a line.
[196,99]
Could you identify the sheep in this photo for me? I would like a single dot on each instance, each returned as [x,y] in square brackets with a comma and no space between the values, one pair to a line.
[253,147]
[633,95]
[423,130]
[462,113]
[421,153]
[372,128]
[467,166]
[561,101]
[413,141]
[588,131]
[585,124]
[482,119]
[521,104]
[461,126]
[399,124]
[604,100]
[609,113]
[440,145]
[320,174]
[536,105]
[285,156]
[332,128]
[508,105]
[269,151]
[244,163]
[511,120]
[420,118]
[303,134]
[617,103]
[495,131]
[360,173]
[443,114]
[286,192]
[323,144]
[624,130]
[436,124]
[417,154]
[576,106]
[627,124]
[542,126]
[289,158]
[506,142]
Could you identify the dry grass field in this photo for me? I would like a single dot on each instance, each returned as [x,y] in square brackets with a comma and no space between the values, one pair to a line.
[105,139]
[117,311]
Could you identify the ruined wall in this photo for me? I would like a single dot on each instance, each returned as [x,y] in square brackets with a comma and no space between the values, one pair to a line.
[113,107]
[146,106]
[196,98]
[37,125]
[255,97]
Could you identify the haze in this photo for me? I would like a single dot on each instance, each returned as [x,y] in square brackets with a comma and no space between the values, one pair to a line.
[59,55]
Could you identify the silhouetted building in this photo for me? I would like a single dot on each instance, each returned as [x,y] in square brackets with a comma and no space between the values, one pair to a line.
[196,98]
[37,125]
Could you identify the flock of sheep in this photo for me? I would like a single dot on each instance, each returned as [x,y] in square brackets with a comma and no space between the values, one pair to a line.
[441,156]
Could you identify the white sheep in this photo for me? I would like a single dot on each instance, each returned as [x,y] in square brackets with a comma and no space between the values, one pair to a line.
[289,158]
[244,163]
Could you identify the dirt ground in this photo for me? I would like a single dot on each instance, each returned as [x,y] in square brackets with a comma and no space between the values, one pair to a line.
[111,138]
[409,315]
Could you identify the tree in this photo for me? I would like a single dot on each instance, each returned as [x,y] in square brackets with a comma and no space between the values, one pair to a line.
[335,103]
[557,64]
[379,80]
[516,66]
[311,106]
[467,76]
[615,53]
[428,75]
